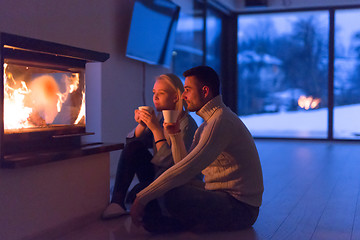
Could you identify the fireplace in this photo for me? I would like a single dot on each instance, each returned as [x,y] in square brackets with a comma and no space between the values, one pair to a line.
[43,97]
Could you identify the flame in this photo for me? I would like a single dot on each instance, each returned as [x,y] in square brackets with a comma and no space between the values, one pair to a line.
[308,102]
[82,110]
[15,113]
[74,79]
[72,85]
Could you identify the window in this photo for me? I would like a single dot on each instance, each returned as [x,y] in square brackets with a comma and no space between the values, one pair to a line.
[283,74]
[188,49]
[194,41]
[347,74]
[213,39]
[198,33]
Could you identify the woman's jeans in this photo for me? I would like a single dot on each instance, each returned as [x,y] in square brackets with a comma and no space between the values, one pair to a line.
[134,159]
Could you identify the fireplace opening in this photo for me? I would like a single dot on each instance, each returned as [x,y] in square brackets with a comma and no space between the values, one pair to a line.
[43,97]
[38,99]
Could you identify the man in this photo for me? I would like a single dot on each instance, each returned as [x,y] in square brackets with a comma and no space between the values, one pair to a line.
[224,151]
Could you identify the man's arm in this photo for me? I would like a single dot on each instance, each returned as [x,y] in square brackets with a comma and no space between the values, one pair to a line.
[178,148]
[164,157]
[213,141]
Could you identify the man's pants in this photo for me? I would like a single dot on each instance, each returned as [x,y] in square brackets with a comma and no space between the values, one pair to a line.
[193,208]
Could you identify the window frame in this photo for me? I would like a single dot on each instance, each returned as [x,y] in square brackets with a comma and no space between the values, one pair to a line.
[331,57]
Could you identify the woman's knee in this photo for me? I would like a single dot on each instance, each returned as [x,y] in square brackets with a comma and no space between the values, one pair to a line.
[135,150]
[134,147]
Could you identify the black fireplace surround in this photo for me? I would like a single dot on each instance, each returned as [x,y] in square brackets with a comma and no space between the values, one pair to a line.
[53,78]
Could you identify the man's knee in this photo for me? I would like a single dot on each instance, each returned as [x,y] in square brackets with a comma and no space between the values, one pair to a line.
[170,199]
[177,199]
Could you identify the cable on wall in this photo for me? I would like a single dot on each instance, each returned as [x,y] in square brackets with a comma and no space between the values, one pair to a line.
[143,83]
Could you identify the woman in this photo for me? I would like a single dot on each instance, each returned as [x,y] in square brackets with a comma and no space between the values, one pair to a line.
[135,157]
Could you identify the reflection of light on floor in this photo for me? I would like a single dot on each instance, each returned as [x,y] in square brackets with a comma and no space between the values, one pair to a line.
[289,134]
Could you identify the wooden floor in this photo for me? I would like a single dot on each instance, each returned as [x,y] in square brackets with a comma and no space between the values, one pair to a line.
[312,191]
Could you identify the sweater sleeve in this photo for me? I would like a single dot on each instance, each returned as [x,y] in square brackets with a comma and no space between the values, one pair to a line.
[181,142]
[163,157]
[178,148]
[214,139]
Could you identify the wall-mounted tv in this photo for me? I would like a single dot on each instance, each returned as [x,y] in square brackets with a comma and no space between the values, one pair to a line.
[152,31]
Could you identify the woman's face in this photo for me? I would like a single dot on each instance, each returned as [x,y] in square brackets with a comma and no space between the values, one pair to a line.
[164,96]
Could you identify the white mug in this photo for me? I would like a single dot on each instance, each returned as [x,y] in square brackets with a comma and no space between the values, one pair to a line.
[146,108]
[170,116]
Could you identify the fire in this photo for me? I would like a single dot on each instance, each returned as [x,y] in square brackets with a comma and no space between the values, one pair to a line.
[39,103]
[82,110]
[308,102]
[15,113]
[72,85]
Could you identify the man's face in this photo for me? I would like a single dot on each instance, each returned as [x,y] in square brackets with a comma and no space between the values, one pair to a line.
[193,94]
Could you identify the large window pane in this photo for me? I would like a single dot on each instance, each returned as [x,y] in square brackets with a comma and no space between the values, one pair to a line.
[213,40]
[283,73]
[188,49]
[347,74]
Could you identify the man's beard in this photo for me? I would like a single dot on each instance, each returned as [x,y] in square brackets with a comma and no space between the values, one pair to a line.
[195,108]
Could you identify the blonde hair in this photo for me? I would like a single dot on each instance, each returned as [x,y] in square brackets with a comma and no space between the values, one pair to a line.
[178,86]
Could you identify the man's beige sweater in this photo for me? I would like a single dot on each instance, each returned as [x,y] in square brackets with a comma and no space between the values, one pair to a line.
[223,150]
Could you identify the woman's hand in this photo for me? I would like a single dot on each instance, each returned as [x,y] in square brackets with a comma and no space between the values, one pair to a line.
[137,213]
[150,120]
[137,117]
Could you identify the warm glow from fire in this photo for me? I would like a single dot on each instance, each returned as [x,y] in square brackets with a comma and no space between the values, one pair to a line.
[308,102]
[15,113]
[74,82]
[82,110]
[71,85]
[39,103]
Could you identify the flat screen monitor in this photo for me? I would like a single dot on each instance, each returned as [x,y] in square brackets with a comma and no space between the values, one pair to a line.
[152,31]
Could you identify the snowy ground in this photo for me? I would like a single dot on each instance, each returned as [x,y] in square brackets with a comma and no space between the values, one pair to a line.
[304,123]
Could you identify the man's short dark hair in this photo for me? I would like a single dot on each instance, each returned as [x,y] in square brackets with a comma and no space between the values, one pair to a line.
[207,76]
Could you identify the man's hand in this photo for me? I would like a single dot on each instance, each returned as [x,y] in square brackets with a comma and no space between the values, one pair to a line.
[137,213]
[172,128]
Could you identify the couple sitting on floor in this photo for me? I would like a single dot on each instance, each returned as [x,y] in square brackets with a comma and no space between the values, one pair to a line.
[170,195]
